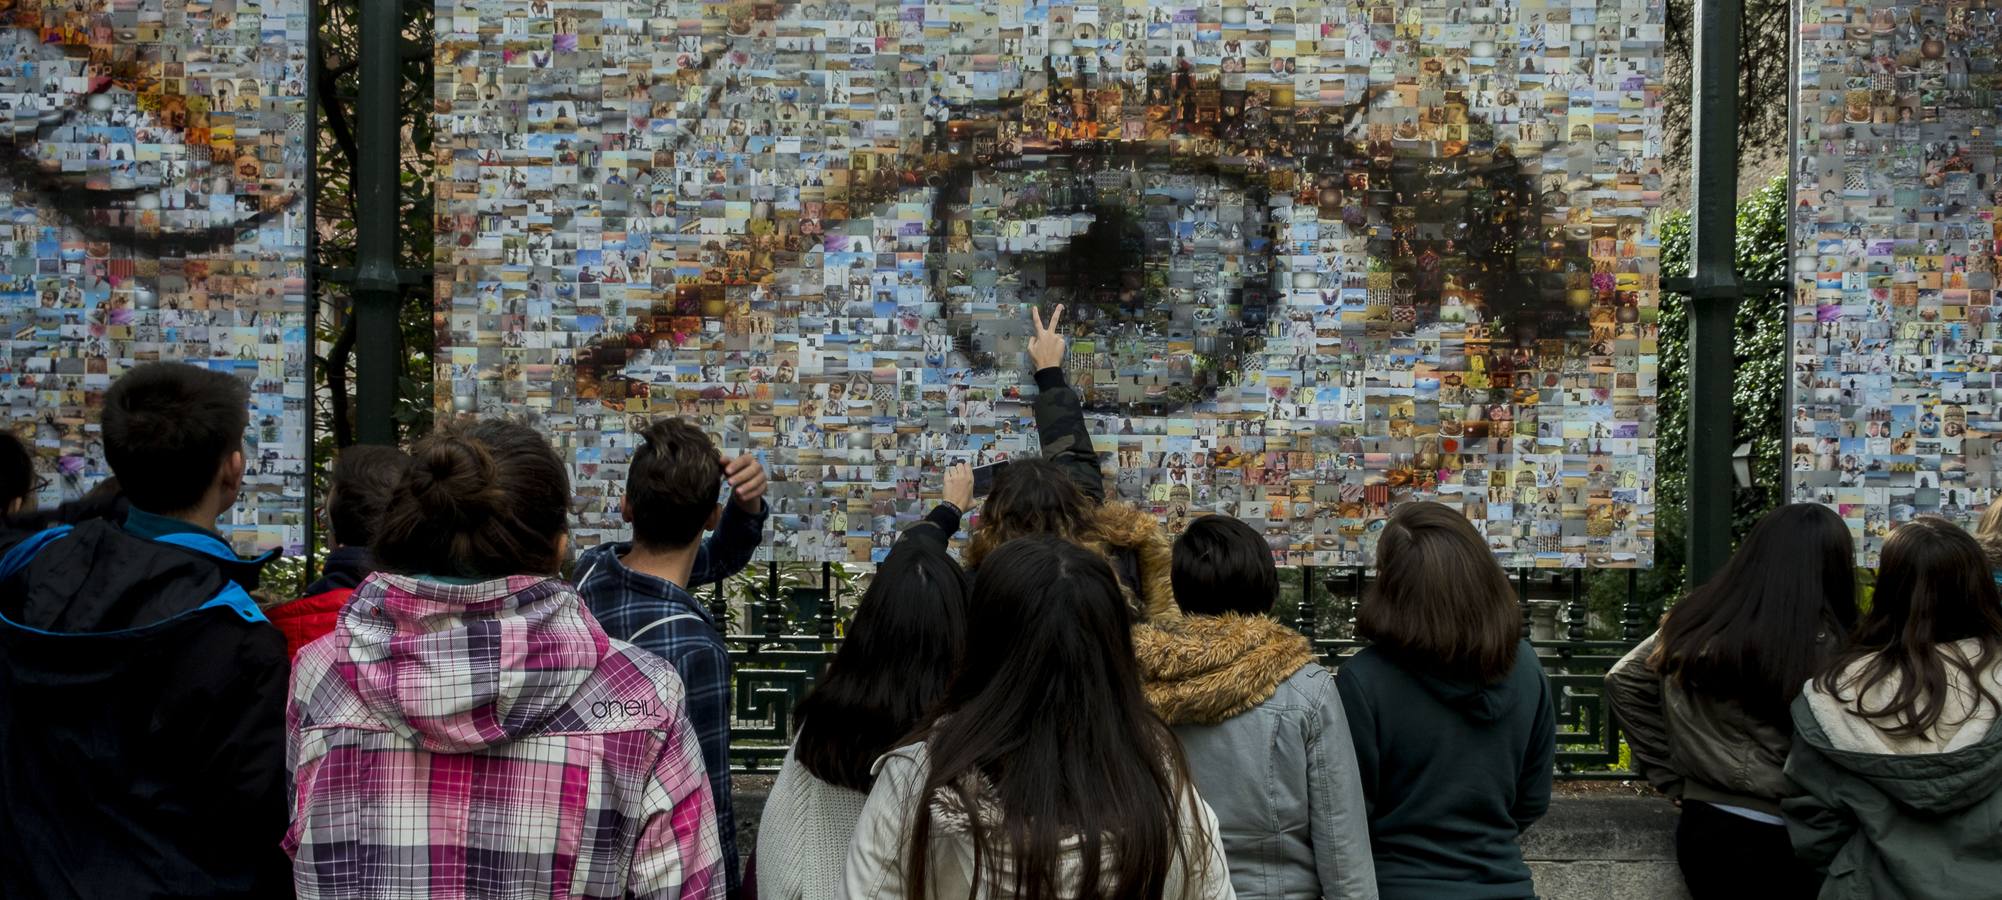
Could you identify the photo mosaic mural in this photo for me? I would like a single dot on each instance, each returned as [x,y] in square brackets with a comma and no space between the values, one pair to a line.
[1894,330]
[1318,259]
[154,172]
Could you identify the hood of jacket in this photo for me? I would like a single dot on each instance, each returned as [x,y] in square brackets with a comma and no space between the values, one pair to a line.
[1481,702]
[1957,764]
[1133,533]
[1201,670]
[99,578]
[460,667]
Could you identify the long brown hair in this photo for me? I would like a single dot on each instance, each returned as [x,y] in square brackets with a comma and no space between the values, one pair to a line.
[1046,725]
[1031,497]
[1754,632]
[1440,599]
[480,500]
[1934,588]
[1037,497]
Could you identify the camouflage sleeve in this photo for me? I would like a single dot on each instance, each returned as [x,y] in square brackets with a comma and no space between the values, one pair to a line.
[1060,427]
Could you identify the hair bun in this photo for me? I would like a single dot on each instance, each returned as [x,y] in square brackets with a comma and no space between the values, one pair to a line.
[455,482]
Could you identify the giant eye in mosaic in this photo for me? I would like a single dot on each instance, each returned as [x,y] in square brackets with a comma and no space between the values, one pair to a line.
[1321,259]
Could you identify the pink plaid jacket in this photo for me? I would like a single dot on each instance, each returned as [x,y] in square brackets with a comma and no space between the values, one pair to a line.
[489,742]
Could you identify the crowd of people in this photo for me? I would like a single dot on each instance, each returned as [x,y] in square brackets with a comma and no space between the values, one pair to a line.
[463,708]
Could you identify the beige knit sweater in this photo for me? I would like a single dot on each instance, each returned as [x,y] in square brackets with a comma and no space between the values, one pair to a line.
[803,837]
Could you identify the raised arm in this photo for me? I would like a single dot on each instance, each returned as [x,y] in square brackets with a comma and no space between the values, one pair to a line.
[1060,425]
[939,525]
[736,540]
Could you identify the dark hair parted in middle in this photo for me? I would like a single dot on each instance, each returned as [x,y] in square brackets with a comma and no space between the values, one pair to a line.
[482,500]
[1934,590]
[908,636]
[358,492]
[673,484]
[1440,599]
[1224,566]
[1758,630]
[1047,711]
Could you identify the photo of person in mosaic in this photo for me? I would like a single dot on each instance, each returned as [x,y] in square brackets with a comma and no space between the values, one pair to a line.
[1320,260]
[153,163]
[1894,326]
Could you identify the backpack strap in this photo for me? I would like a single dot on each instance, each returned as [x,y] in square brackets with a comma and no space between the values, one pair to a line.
[659,622]
[232,595]
[20,555]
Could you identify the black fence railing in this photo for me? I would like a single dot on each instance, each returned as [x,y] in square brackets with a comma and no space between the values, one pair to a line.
[776,666]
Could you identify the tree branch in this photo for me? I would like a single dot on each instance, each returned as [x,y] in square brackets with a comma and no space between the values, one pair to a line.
[336,368]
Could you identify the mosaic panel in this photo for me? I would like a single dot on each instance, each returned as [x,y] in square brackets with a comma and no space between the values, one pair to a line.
[1893,329]
[154,161]
[1320,259]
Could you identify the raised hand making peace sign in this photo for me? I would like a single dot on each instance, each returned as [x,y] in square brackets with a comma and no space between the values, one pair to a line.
[1046,346]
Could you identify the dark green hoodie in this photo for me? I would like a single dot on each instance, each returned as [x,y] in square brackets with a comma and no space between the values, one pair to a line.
[1890,817]
[1452,771]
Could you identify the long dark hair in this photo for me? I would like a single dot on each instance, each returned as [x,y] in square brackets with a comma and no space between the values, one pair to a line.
[907,637]
[1440,601]
[1047,711]
[481,500]
[1933,588]
[1754,633]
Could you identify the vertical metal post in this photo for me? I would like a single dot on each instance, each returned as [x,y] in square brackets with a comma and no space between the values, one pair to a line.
[1575,611]
[826,611]
[1633,622]
[1306,619]
[1522,598]
[1716,288]
[775,616]
[378,132]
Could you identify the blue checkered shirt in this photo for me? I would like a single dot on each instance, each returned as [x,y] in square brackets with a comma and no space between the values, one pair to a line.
[683,632]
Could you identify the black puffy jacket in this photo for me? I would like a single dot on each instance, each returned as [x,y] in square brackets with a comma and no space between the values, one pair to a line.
[142,708]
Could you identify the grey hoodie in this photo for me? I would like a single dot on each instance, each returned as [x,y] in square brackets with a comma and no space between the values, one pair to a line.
[1890,817]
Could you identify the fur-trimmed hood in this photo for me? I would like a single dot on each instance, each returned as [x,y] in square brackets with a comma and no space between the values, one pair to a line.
[1133,533]
[1201,670]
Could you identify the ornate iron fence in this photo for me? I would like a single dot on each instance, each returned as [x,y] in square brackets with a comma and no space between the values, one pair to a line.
[775,667]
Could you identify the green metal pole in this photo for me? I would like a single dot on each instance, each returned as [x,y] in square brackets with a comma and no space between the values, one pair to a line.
[1716,288]
[379,134]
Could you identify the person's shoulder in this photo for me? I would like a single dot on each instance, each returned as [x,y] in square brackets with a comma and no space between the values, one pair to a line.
[324,694]
[1528,667]
[1362,664]
[911,761]
[1308,684]
[629,690]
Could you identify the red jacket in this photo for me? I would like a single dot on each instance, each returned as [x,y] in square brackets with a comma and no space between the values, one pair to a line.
[307,619]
